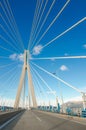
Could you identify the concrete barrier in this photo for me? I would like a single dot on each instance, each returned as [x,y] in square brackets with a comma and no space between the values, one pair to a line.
[8,115]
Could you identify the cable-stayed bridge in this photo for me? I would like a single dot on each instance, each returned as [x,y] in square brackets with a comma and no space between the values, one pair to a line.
[32,92]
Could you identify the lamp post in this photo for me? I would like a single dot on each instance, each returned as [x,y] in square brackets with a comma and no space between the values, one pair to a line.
[59,85]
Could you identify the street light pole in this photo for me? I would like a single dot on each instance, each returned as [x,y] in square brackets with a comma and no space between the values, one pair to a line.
[59,85]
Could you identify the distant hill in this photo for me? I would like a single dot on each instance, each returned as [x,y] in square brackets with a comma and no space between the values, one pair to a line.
[74,104]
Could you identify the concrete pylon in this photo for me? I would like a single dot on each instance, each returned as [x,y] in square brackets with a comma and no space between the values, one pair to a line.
[84,100]
[26,68]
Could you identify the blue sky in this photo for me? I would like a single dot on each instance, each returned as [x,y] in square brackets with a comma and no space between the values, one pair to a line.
[73,43]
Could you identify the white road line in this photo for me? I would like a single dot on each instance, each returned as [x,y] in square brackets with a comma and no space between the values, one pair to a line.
[36,117]
[70,119]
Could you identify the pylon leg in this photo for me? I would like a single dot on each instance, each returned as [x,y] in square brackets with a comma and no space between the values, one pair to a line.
[26,67]
[31,87]
[16,104]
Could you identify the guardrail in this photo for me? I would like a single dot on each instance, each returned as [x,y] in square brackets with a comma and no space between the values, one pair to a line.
[8,115]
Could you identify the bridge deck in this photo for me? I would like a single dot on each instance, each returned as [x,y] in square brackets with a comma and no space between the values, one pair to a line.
[33,120]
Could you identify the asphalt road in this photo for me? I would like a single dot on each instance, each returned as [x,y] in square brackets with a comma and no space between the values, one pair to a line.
[34,120]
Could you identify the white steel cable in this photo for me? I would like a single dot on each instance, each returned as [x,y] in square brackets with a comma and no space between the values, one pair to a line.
[44,82]
[39,84]
[70,28]
[7,72]
[3,66]
[13,19]
[40,20]
[57,16]
[8,36]
[56,77]
[33,23]
[8,42]
[8,27]
[35,20]
[44,20]
[59,58]
[6,49]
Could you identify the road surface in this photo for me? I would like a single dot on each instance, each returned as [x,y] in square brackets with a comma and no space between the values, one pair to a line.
[34,120]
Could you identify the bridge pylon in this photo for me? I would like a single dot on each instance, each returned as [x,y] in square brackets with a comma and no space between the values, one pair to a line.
[26,68]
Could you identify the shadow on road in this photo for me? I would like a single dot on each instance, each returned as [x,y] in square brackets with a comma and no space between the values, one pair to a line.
[13,123]
[58,125]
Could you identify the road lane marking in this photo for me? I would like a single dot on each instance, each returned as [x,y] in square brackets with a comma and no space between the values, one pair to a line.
[66,118]
[36,117]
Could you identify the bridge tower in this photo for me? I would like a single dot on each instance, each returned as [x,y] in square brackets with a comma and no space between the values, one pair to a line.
[26,68]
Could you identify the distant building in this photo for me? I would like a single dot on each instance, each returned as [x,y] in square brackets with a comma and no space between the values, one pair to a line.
[74,107]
